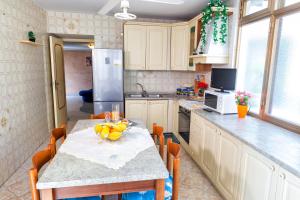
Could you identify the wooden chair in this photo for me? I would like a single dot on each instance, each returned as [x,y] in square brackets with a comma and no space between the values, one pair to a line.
[158,133]
[58,133]
[173,165]
[102,116]
[38,161]
[173,151]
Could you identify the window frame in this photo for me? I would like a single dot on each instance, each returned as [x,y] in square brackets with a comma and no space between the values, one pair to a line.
[274,14]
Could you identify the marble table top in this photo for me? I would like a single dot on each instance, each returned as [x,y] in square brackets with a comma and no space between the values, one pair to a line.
[278,144]
[68,171]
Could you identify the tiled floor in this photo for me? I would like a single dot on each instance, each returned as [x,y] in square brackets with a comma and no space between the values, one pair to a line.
[194,184]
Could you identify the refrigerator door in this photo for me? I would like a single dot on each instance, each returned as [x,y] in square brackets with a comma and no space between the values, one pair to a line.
[108,75]
[100,107]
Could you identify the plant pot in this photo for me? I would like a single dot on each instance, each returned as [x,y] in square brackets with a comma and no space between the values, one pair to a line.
[242,111]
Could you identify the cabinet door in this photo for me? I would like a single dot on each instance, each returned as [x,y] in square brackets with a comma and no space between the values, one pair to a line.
[136,109]
[288,186]
[196,140]
[210,136]
[158,113]
[175,116]
[258,178]
[179,47]
[135,47]
[157,48]
[228,164]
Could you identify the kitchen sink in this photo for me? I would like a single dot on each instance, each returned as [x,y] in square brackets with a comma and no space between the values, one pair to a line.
[154,95]
[135,95]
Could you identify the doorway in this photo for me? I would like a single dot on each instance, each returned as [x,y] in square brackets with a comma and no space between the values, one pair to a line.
[72,78]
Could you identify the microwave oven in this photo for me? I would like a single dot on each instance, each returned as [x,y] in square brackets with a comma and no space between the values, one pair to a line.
[221,102]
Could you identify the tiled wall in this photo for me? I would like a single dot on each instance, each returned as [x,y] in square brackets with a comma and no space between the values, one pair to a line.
[23,108]
[157,81]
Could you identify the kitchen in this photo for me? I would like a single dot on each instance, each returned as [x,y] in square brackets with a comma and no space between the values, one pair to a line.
[166,61]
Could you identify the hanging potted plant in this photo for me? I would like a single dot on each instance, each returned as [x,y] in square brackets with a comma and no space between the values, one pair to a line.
[242,101]
[216,11]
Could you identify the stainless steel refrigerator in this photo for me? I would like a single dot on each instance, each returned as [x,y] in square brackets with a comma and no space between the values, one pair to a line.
[107,79]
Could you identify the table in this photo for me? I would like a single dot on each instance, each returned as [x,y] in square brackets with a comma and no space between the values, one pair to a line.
[68,176]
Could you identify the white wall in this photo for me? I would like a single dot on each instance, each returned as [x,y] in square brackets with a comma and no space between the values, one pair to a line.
[23,99]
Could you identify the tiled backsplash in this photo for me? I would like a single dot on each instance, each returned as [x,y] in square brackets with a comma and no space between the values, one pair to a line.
[23,107]
[157,81]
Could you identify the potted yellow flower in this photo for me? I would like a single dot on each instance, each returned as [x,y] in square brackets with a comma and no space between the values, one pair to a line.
[242,101]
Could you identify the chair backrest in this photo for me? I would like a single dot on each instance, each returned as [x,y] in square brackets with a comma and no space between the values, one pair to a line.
[158,132]
[173,152]
[102,116]
[38,161]
[58,133]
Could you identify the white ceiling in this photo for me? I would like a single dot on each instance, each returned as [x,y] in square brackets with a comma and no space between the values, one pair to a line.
[189,9]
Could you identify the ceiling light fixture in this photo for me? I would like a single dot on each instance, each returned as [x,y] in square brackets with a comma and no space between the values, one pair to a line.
[125,15]
[171,2]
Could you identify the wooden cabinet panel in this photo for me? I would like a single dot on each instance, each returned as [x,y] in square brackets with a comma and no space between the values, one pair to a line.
[157,113]
[135,47]
[136,109]
[209,159]
[228,164]
[196,140]
[258,178]
[288,186]
[157,48]
[179,47]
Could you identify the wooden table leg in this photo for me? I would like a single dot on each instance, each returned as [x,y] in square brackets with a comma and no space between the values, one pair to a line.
[160,189]
[47,194]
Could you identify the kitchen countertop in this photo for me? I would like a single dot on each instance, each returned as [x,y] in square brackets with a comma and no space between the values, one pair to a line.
[68,171]
[162,97]
[277,144]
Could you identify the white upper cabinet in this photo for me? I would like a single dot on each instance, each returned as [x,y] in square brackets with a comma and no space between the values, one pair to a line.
[228,164]
[158,113]
[257,178]
[157,51]
[179,47]
[135,47]
[288,186]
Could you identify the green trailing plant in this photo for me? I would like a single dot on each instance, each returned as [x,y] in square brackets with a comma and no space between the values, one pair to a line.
[31,36]
[219,33]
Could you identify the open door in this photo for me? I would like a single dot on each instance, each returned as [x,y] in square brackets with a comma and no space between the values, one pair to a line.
[58,80]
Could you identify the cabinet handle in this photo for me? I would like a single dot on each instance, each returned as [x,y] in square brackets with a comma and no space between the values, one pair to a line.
[282,176]
[272,168]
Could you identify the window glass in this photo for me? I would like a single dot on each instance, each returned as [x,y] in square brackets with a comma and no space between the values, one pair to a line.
[252,56]
[285,93]
[283,3]
[252,6]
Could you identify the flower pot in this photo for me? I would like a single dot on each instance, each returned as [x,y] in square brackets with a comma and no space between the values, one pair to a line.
[242,111]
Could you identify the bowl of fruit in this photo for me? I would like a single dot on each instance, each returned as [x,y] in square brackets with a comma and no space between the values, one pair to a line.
[111,131]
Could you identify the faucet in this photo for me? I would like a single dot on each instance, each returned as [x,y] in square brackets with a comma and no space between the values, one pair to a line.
[144,92]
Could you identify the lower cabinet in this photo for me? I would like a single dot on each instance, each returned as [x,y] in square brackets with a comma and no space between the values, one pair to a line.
[149,111]
[238,171]
[288,186]
[157,113]
[209,158]
[258,176]
[228,164]
[136,109]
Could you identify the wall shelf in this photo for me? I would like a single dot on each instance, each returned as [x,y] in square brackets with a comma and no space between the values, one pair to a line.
[30,43]
[210,59]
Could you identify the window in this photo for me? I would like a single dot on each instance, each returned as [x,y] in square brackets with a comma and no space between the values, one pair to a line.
[252,6]
[285,92]
[268,60]
[252,57]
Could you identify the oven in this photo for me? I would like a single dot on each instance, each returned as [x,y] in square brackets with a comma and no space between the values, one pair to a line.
[184,117]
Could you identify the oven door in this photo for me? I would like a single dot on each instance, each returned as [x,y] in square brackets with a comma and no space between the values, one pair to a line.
[184,117]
